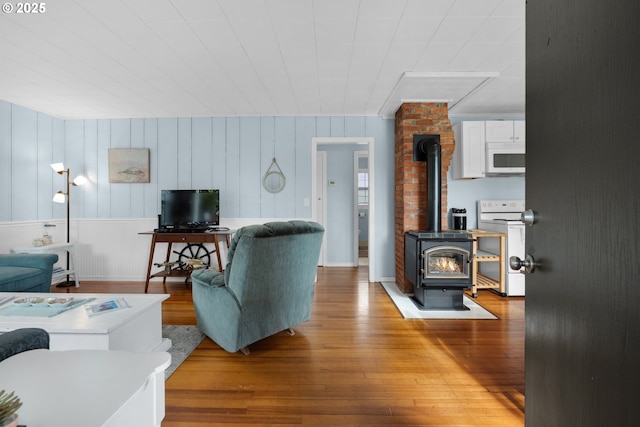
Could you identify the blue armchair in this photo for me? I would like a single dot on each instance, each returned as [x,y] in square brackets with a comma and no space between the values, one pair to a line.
[26,272]
[267,286]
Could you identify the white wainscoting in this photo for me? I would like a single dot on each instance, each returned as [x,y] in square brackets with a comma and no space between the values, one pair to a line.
[107,249]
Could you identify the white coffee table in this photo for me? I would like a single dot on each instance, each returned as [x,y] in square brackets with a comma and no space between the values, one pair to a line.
[87,388]
[138,328]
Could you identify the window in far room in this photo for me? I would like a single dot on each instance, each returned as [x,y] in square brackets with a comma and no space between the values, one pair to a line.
[363,188]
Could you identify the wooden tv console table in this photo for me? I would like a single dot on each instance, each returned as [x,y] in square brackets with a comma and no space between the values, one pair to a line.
[188,238]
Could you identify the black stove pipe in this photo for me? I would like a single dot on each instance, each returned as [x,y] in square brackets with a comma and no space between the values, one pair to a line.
[427,147]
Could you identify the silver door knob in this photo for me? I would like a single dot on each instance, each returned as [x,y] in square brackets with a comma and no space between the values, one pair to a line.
[529,264]
[528,217]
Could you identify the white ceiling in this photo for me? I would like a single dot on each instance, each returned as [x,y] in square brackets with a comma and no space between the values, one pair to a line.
[203,58]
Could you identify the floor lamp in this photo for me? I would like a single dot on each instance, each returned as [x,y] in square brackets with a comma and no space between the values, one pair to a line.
[63,197]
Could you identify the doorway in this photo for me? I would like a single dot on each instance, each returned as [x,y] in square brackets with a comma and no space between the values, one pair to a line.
[361,206]
[317,204]
[320,209]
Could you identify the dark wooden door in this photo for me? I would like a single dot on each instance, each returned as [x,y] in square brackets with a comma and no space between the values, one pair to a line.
[583,175]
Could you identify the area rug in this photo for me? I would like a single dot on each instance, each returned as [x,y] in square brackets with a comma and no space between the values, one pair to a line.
[409,310]
[184,339]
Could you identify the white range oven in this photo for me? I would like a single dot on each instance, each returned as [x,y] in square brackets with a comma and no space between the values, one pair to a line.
[503,216]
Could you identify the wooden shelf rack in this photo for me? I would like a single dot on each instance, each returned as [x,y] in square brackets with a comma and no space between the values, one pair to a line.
[481,281]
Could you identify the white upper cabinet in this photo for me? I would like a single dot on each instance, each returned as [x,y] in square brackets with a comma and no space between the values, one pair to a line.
[519,130]
[469,154]
[505,131]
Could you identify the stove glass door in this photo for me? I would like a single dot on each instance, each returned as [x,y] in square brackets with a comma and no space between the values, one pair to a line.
[445,262]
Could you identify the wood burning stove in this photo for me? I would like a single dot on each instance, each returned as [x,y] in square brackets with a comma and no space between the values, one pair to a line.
[439,266]
[437,263]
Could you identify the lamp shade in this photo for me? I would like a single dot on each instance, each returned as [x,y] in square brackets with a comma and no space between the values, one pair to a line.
[80,180]
[59,197]
[58,167]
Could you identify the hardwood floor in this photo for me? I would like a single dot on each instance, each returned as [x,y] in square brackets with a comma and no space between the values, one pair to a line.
[356,362]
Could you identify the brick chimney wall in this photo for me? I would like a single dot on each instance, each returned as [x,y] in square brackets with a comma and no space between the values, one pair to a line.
[411,177]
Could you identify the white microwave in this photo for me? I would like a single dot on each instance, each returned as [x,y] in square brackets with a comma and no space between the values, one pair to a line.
[505,158]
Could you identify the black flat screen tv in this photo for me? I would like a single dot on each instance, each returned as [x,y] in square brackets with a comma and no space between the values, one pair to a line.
[185,209]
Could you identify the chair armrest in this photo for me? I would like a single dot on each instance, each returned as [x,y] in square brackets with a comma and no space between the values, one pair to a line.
[24,339]
[208,277]
[213,281]
[41,261]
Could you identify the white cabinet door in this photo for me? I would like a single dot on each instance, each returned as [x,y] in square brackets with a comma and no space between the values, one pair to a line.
[505,131]
[499,130]
[469,154]
[519,131]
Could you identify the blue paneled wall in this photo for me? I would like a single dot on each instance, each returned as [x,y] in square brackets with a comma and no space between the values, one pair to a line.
[231,154]
[27,142]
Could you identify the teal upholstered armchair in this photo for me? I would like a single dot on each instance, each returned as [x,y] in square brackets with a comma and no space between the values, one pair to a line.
[26,272]
[267,286]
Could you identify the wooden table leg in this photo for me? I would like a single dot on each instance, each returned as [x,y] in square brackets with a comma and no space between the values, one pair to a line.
[474,266]
[164,279]
[503,249]
[151,251]
[215,243]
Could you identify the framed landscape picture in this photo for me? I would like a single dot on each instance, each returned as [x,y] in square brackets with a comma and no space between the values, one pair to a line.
[128,165]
